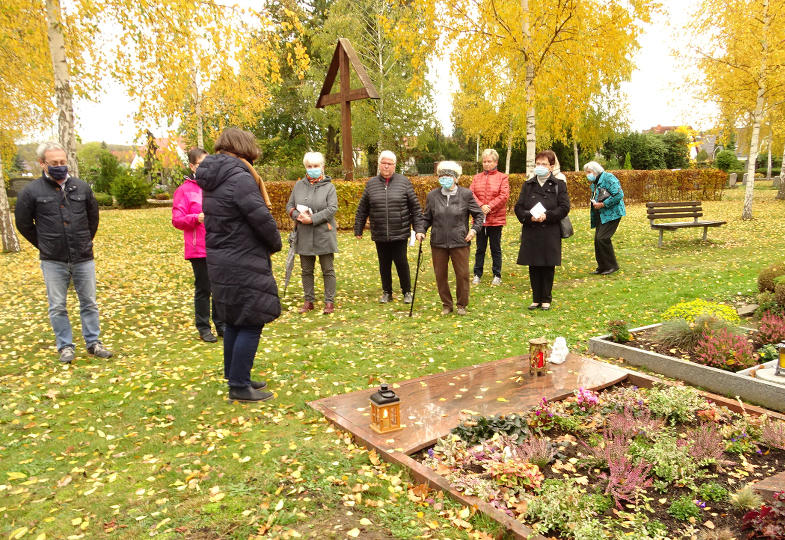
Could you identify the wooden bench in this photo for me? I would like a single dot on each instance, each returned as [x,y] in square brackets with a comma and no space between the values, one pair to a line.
[675,210]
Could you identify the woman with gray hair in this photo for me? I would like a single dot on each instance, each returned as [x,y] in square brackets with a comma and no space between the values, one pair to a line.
[312,205]
[607,209]
[390,203]
[447,211]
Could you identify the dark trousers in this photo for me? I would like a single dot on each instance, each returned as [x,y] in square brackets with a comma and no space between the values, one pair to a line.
[541,279]
[460,265]
[493,235]
[240,344]
[202,302]
[603,247]
[389,253]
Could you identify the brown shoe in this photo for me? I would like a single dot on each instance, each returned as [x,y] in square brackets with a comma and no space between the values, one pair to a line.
[307,306]
[446,311]
[329,307]
[461,310]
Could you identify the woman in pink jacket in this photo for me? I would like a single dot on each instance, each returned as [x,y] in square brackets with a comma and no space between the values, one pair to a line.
[491,189]
[187,216]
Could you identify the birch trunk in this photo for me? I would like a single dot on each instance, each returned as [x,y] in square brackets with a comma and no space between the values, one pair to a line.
[575,153]
[753,155]
[198,110]
[509,151]
[531,135]
[768,152]
[63,93]
[781,192]
[10,241]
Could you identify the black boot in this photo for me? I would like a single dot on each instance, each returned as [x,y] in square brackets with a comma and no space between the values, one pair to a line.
[258,385]
[248,393]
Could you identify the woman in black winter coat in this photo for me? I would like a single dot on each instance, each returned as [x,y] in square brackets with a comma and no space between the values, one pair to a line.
[241,235]
[542,204]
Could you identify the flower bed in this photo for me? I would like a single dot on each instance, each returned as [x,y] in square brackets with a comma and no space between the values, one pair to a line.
[627,462]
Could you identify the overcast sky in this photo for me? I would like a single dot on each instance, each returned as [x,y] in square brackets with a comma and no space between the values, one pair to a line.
[656,92]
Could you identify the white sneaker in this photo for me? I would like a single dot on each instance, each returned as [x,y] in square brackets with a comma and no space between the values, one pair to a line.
[496,280]
[476,280]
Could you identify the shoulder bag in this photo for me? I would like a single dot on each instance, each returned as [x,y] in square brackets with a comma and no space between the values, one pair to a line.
[565,224]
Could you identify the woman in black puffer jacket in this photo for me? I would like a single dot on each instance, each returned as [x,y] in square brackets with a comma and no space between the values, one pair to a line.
[241,235]
[391,204]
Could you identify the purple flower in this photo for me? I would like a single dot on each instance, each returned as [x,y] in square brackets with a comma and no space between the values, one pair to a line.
[430,452]
[700,503]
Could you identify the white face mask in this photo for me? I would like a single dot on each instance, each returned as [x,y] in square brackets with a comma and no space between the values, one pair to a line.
[541,170]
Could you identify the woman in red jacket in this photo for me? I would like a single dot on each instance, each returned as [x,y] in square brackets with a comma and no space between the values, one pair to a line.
[491,189]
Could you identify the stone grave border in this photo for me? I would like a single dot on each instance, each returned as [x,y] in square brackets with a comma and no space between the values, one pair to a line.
[423,474]
[741,384]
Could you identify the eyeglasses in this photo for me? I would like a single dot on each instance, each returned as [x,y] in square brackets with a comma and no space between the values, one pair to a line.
[57,163]
[388,163]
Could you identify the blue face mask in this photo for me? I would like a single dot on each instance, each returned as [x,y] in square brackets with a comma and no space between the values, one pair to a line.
[314,172]
[446,181]
[541,170]
[58,173]
[591,177]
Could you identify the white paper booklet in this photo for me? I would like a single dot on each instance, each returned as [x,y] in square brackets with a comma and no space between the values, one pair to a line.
[304,209]
[537,211]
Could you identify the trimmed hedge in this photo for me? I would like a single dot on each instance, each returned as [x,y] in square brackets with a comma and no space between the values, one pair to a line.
[638,186]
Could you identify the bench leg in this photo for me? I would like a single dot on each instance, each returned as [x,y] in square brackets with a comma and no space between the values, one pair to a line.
[659,243]
[705,230]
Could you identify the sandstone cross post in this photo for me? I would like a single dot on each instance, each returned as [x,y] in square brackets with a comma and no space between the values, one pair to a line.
[344,57]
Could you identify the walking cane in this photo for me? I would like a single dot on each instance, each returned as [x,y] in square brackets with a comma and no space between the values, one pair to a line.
[416,275]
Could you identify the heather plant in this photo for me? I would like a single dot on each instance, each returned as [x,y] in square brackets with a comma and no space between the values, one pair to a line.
[619,331]
[746,498]
[627,425]
[608,448]
[771,328]
[684,508]
[560,506]
[536,450]
[676,404]
[772,434]
[625,479]
[691,310]
[725,350]
[712,491]
[705,444]
[685,334]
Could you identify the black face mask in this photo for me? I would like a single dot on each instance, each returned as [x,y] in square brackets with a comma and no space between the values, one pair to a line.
[58,173]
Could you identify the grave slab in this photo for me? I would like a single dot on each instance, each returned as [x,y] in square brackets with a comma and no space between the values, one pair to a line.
[430,405]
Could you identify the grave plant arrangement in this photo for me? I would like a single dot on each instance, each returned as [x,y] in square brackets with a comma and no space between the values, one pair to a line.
[707,333]
[626,462]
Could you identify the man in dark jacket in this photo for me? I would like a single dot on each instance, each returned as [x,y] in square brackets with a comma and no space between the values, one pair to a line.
[58,214]
[390,202]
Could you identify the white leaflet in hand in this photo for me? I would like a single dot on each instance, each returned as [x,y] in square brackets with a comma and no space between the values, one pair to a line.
[412,238]
[304,209]
[537,211]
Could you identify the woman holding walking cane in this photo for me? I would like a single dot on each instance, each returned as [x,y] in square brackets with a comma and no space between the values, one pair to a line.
[447,211]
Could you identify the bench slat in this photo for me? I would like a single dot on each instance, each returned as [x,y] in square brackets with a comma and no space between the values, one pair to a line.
[668,204]
[674,215]
[687,224]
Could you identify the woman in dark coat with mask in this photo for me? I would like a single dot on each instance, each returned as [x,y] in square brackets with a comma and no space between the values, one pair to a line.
[241,235]
[540,231]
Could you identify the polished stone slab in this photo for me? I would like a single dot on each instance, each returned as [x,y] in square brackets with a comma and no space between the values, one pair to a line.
[431,405]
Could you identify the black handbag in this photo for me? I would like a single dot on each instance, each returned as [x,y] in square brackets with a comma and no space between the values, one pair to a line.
[565,225]
[602,194]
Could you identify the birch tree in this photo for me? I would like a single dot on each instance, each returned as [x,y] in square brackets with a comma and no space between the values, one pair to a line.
[743,64]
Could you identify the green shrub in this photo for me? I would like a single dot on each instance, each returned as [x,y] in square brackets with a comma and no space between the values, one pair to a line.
[130,190]
[677,404]
[685,335]
[779,293]
[767,276]
[684,508]
[726,160]
[671,462]
[712,491]
[767,303]
[561,505]
[104,199]
[619,332]
[746,498]
[689,311]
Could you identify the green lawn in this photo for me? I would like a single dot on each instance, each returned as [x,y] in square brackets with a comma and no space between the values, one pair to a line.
[146,444]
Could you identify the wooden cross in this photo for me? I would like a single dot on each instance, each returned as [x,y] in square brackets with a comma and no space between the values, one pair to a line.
[343,56]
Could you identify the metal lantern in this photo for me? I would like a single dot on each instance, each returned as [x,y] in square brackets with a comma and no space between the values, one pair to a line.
[538,356]
[385,410]
[780,370]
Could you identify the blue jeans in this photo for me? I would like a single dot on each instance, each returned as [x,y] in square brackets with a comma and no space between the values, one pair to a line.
[58,276]
[240,344]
